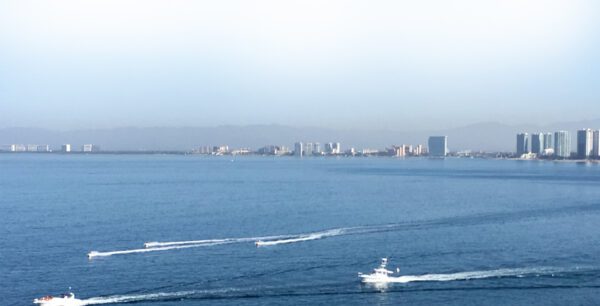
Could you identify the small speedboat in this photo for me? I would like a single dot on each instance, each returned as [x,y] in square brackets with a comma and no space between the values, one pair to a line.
[380,274]
[67,299]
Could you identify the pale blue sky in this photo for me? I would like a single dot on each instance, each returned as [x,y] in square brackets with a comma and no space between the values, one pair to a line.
[380,64]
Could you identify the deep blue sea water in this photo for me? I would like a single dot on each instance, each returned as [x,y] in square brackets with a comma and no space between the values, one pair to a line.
[528,230]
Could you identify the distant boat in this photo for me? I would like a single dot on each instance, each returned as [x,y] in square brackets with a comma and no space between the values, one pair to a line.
[67,299]
[380,274]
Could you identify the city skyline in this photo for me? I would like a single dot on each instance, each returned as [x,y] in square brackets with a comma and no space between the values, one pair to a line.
[488,137]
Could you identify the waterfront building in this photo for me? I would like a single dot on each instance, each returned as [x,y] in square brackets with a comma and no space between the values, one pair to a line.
[584,143]
[337,148]
[537,143]
[333,148]
[18,148]
[548,141]
[66,148]
[205,150]
[316,149]
[596,146]
[43,148]
[368,151]
[241,151]
[90,148]
[283,150]
[522,144]
[438,146]
[329,148]
[298,149]
[399,151]
[307,149]
[268,150]
[562,144]
[418,150]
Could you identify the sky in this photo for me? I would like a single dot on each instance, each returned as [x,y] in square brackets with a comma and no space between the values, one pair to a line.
[373,64]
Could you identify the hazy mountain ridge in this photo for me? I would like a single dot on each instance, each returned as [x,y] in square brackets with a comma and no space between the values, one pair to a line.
[486,136]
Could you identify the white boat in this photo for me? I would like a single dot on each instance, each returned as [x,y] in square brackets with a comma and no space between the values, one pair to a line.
[67,299]
[380,274]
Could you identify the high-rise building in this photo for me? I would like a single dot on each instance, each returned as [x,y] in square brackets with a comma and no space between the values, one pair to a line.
[298,149]
[337,148]
[400,151]
[438,146]
[66,148]
[333,148]
[418,150]
[308,149]
[596,146]
[537,143]
[18,148]
[316,148]
[329,148]
[562,144]
[585,143]
[522,144]
[548,141]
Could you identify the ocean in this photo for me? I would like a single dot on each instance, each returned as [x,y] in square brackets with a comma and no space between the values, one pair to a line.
[462,231]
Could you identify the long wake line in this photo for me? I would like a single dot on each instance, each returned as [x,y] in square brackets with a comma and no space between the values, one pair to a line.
[259,241]
[287,239]
[233,292]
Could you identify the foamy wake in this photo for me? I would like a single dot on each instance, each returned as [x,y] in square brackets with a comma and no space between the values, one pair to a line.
[211,241]
[518,272]
[301,238]
[136,298]
[259,241]
[93,254]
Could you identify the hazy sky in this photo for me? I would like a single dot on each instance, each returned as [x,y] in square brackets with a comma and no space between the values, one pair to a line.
[380,64]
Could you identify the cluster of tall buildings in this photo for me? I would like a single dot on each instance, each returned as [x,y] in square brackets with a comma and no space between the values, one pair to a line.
[588,143]
[213,150]
[558,144]
[314,148]
[46,148]
[438,147]
[543,144]
[273,150]
[407,150]
[25,148]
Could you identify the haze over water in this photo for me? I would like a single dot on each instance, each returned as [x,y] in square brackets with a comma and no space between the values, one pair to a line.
[486,232]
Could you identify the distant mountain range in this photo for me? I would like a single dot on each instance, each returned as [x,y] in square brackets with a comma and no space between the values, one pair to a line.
[487,136]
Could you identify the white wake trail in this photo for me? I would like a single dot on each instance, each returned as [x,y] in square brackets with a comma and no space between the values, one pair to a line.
[475,275]
[209,241]
[259,241]
[93,254]
[135,298]
[301,238]
[156,244]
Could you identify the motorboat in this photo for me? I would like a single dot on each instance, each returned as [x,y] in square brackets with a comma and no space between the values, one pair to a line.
[380,274]
[67,299]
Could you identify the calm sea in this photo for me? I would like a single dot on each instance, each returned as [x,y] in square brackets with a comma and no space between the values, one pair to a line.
[463,231]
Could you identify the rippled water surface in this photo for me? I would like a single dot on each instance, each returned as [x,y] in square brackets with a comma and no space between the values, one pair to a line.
[482,232]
